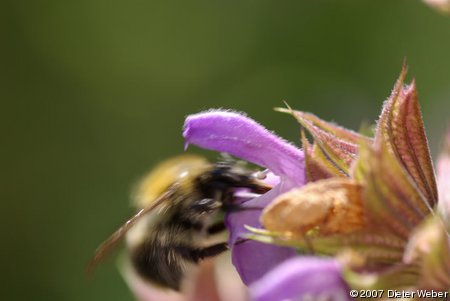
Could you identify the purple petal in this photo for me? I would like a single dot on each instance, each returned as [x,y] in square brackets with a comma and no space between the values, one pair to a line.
[238,135]
[302,277]
[253,259]
[236,220]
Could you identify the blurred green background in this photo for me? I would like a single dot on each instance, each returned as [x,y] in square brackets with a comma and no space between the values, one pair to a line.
[94,92]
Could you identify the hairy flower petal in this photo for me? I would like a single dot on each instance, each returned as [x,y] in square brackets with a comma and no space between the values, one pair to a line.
[240,136]
[302,278]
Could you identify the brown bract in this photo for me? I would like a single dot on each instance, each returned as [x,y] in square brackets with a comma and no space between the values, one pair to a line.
[401,130]
[334,150]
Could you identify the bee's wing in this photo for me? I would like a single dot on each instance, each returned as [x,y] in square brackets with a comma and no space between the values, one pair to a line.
[108,245]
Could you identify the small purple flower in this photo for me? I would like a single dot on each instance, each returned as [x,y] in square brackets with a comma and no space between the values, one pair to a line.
[240,136]
[302,278]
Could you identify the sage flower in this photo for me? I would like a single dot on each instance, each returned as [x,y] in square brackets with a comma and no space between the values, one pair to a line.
[374,198]
[347,211]
[240,136]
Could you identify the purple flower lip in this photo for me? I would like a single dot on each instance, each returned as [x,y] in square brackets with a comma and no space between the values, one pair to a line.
[302,277]
[240,136]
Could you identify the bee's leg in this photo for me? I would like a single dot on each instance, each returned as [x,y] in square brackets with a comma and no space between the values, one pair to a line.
[199,254]
[241,241]
[260,188]
[216,228]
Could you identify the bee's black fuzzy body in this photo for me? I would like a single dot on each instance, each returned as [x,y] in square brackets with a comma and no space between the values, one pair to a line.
[179,232]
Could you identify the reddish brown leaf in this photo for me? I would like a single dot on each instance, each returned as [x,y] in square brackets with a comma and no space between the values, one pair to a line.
[340,152]
[401,129]
[334,129]
[317,165]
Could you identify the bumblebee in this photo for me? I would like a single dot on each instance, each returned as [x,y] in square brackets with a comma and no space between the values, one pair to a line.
[180,204]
